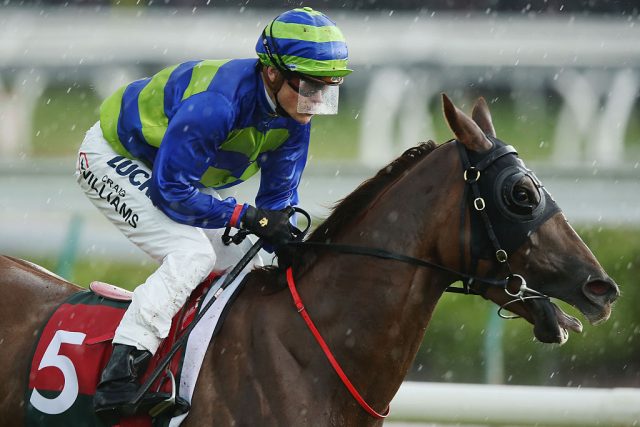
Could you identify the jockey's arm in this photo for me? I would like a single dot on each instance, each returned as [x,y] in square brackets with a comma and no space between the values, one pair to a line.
[281,171]
[199,126]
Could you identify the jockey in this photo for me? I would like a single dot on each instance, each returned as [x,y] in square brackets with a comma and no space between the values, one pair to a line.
[165,144]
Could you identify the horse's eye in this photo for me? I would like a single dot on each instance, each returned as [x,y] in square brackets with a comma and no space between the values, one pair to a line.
[520,195]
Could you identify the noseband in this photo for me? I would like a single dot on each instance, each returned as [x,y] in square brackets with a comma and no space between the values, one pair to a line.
[495,218]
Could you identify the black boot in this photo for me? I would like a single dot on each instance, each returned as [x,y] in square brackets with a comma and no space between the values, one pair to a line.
[120,380]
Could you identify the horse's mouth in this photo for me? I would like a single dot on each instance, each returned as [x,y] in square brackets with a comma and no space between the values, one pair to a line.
[550,323]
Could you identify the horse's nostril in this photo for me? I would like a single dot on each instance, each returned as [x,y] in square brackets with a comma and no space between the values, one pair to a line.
[602,288]
[598,288]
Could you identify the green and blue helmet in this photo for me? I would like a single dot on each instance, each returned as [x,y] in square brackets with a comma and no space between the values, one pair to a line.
[304,41]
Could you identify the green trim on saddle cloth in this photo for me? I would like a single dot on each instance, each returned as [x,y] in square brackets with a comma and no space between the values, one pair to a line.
[79,410]
[30,411]
[88,297]
[80,414]
[93,354]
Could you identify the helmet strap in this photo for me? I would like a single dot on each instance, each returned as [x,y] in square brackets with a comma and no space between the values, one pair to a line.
[280,110]
[275,87]
[272,52]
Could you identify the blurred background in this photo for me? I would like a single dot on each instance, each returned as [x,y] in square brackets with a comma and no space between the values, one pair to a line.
[562,79]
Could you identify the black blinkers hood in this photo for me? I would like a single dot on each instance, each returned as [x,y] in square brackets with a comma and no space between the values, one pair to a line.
[512,221]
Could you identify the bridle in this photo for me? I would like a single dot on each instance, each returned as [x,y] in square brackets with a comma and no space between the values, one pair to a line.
[483,208]
[488,206]
[503,171]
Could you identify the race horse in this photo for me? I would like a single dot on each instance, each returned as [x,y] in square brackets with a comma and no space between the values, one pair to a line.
[368,277]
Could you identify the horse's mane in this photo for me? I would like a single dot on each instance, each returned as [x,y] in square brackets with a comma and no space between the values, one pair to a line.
[344,210]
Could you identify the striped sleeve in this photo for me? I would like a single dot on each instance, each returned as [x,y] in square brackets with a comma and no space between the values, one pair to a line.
[199,126]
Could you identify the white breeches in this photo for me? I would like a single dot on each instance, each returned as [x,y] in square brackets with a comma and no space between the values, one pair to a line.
[118,188]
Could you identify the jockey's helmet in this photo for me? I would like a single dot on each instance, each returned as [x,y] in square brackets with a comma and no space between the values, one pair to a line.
[311,53]
[304,41]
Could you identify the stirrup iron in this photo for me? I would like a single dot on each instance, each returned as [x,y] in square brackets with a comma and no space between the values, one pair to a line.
[169,402]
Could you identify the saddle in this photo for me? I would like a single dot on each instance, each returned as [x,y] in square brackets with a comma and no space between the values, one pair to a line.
[75,345]
[110,292]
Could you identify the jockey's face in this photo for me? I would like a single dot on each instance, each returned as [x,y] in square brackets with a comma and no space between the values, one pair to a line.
[303,96]
[316,95]
[288,98]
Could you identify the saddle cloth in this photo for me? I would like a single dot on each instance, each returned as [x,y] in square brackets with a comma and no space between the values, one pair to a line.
[75,345]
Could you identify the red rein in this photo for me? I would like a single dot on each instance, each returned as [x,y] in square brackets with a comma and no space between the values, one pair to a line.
[327,352]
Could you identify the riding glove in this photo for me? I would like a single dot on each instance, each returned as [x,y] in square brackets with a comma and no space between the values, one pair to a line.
[272,226]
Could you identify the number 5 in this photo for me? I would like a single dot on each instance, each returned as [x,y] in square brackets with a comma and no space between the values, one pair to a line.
[51,358]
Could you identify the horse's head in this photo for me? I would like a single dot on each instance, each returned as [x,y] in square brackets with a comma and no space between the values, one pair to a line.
[515,229]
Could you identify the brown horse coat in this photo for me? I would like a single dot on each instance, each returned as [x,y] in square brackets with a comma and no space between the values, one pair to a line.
[265,368]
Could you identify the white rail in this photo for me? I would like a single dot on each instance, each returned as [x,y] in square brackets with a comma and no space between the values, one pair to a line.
[67,37]
[516,405]
[403,58]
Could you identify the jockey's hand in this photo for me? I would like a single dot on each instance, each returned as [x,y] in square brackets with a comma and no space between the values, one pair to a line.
[272,226]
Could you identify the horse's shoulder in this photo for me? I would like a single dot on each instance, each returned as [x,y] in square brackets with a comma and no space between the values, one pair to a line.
[259,298]
[266,281]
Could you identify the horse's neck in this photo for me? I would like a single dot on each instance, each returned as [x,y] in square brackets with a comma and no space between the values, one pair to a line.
[376,311]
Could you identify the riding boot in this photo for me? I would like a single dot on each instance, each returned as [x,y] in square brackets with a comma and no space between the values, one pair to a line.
[119,385]
[120,380]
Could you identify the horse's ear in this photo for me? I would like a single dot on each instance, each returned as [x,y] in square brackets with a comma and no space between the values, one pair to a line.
[465,129]
[482,116]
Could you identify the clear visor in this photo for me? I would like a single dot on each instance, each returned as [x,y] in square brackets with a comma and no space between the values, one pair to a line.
[317,98]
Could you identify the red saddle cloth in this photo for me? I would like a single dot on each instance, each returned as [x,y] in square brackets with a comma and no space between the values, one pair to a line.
[75,345]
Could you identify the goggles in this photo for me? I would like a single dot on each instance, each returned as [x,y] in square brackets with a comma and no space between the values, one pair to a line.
[316,95]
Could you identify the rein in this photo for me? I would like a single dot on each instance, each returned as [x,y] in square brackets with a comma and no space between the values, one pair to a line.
[520,295]
[384,254]
[471,176]
[327,352]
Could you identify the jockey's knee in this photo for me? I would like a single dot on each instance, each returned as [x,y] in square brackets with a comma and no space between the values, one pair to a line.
[204,259]
[196,263]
